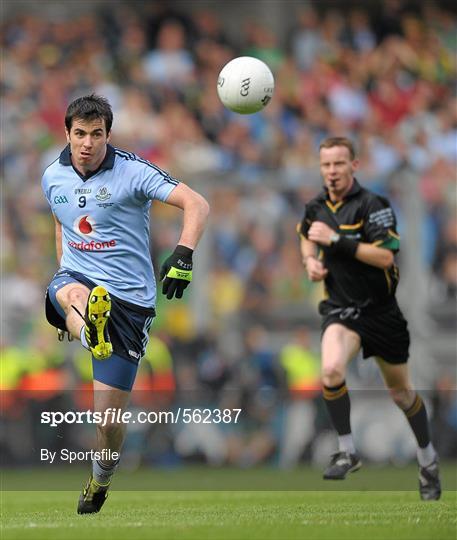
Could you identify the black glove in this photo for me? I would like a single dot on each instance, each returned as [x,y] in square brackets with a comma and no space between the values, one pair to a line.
[177,271]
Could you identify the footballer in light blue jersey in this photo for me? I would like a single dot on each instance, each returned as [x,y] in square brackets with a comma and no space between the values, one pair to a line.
[104,292]
[105,220]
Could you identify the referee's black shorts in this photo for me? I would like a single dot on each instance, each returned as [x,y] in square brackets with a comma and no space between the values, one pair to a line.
[383,330]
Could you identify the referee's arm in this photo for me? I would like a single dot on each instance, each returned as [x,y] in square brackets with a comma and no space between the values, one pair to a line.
[314,267]
[377,256]
[308,249]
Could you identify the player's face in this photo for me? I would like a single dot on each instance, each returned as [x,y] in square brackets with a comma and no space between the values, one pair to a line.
[337,170]
[88,139]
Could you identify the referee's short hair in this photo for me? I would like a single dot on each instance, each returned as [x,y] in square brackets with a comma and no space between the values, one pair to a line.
[89,108]
[330,142]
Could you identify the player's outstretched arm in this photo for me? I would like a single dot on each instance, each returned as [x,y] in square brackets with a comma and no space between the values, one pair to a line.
[176,271]
[196,210]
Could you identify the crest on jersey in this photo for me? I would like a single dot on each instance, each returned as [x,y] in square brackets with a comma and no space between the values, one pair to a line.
[103,194]
[84,225]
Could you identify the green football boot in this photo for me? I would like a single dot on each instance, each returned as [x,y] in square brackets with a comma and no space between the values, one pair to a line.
[97,314]
[92,497]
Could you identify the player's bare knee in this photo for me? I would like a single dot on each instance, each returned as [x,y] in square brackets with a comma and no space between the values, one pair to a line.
[72,295]
[333,375]
[402,397]
[78,295]
[62,297]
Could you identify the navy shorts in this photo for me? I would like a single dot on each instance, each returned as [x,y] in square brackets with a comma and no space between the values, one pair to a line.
[128,327]
[383,332]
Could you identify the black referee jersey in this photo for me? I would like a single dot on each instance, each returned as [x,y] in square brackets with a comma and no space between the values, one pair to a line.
[365,217]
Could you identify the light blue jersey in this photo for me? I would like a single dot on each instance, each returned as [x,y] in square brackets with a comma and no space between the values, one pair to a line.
[105,220]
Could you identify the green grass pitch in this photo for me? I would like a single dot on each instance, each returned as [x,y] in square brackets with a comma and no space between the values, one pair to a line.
[350,512]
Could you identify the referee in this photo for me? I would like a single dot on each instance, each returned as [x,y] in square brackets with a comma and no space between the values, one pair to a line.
[348,239]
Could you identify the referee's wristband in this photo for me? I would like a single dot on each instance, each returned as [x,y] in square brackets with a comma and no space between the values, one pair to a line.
[345,246]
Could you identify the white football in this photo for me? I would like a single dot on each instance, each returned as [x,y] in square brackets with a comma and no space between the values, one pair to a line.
[245,85]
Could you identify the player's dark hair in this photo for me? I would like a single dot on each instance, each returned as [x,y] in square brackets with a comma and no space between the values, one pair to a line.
[330,142]
[89,108]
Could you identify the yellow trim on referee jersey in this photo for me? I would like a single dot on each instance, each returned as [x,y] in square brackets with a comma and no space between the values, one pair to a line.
[391,243]
[352,227]
[396,272]
[325,294]
[334,207]
[389,281]
[393,234]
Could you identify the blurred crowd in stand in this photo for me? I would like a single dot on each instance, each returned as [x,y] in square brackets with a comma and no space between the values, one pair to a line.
[384,77]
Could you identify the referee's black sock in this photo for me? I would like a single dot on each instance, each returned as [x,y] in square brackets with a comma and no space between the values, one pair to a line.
[416,415]
[339,408]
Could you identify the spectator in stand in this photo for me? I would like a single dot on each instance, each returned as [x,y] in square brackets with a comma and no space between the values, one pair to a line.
[170,64]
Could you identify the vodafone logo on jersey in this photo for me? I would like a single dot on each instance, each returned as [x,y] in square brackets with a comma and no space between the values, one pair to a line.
[85,226]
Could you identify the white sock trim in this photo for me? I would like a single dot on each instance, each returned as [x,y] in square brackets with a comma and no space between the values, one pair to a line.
[103,474]
[346,443]
[427,455]
[82,337]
